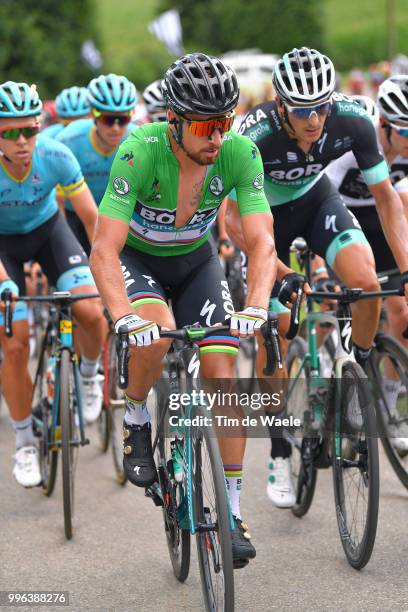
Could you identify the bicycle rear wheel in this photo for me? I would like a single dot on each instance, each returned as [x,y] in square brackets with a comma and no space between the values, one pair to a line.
[70,439]
[213,519]
[304,472]
[174,503]
[355,465]
[389,360]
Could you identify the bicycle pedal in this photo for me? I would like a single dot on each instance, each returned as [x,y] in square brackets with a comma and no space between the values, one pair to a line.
[154,493]
[240,563]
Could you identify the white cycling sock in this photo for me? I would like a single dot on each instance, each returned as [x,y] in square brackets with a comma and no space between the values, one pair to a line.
[233,479]
[24,432]
[391,389]
[88,367]
[136,411]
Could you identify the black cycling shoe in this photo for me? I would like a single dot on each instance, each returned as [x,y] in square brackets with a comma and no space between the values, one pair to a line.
[138,461]
[242,548]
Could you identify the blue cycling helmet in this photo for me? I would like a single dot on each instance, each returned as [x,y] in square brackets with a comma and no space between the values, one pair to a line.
[19,100]
[112,93]
[73,102]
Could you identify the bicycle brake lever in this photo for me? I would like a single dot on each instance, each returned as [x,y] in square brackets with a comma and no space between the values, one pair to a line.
[272,345]
[6,298]
[295,314]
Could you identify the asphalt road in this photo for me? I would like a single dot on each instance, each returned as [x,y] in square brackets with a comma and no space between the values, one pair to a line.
[118,558]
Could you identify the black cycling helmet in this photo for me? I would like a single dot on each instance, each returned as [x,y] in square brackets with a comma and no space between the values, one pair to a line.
[200,84]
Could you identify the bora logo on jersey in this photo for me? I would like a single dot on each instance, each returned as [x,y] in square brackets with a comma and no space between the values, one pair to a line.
[120,185]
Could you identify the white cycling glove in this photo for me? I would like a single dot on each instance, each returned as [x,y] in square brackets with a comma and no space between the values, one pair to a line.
[141,332]
[249,320]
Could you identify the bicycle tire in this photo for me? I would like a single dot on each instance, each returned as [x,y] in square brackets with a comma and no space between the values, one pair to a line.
[388,347]
[67,438]
[48,453]
[306,476]
[364,457]
[113,395]
[247,351]
[206,541]
[103,423]
[178,539]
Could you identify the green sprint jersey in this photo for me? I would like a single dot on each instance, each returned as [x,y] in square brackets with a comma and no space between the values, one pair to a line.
[143,189]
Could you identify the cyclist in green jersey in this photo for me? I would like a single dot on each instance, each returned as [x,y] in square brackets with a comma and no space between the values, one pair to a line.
[152,241]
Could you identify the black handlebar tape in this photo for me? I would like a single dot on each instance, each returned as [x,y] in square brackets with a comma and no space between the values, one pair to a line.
[295,314]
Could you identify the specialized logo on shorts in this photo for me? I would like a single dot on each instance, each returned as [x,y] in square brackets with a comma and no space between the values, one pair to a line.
[258,181]
[216,186]
[121,185]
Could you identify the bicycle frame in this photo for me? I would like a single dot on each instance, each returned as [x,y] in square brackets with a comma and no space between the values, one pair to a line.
[188,354]
[59,335]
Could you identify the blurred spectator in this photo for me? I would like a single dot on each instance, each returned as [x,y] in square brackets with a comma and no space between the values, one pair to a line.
[357,83]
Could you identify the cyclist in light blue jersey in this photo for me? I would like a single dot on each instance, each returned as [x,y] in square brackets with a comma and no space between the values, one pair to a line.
[71,104]
[32,229]
[94,142]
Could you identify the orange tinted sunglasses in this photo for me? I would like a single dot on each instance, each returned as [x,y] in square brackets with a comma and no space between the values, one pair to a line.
[205,127]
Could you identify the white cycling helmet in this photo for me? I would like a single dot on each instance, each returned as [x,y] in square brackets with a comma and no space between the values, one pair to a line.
[369,105]
[393,98]
[304,77]
[154,101]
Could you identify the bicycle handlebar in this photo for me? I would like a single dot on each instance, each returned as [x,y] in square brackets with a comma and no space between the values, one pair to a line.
[58,297]
[345,296]
[193,333]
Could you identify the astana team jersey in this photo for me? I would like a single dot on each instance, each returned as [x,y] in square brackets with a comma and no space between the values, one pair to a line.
[143,190]
[95,164]
[289,172]
[28,203]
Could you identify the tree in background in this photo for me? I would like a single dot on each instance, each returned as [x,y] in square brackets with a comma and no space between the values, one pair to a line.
[270,25]
[41,43]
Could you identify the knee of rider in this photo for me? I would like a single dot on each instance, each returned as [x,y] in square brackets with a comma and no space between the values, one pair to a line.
[365,278]
[88,313]
[220,368]
[16,349]
[397,309]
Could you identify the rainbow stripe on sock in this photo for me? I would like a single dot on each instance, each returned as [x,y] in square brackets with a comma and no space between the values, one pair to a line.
[233,470]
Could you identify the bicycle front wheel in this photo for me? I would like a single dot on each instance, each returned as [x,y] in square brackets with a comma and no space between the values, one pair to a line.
[174,502]
[355,465]
[69,440]
[389,365]
[304,473]
[213,522]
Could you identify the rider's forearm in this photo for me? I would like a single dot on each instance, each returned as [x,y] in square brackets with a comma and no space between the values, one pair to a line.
[234,227]
[107,272]
[261,275]
[395,226]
